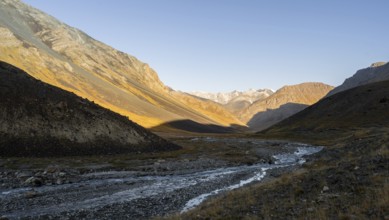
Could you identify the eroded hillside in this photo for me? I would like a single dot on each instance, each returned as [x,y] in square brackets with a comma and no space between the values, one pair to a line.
[37,119]
[282,104]
[66,57]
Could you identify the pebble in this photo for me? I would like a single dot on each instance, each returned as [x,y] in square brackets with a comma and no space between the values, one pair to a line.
[24,174]
[59,181]
[30,194]
[34,181]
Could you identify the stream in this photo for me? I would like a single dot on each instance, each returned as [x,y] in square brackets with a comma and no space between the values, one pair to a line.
[127,194]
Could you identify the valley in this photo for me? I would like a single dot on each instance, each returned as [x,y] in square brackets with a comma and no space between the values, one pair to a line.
[347,179]
[127,186]
[90,132]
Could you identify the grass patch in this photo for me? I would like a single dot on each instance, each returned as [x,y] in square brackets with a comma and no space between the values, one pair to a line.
[349,180]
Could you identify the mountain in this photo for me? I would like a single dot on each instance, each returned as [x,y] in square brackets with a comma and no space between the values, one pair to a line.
[347,179]
[37,119]
[66,57]
[224,98]
[283,103]
[235,101]
[378,71]
[360,107]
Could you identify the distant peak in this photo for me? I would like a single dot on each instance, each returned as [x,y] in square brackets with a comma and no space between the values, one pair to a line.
[250,95]
[377,64]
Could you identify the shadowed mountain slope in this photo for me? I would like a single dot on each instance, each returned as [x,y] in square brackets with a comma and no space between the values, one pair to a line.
[359,107]
[348,179]
[194,127]
[283,103]
[67,58]
[37,119]
[375,73]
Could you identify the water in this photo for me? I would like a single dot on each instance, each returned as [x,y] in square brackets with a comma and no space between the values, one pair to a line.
[282,160]
[101,192]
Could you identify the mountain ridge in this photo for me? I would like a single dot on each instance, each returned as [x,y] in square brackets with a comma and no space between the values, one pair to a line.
[360,108]
[235,101]
[38,119]
[68,58]
[285,102]
[226,97]
[378,71]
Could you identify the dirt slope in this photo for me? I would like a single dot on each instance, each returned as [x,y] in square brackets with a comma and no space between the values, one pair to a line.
[66,57]
[37,119]
[283,103]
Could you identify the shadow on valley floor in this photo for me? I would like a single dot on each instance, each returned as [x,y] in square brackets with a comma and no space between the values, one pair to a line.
[263,120]
[192,126]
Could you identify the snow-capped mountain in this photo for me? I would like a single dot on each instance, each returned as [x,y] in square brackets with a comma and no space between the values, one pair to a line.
[224,98]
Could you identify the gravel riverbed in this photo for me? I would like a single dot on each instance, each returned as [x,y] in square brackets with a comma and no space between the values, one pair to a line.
[158,189]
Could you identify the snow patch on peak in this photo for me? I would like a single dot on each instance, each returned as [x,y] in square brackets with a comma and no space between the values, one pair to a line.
[224,98]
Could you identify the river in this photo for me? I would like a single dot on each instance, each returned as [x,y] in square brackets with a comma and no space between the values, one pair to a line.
[128,194]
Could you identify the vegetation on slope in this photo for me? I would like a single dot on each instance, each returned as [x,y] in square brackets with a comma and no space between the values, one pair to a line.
[361,107]
[347,180]
[37,119]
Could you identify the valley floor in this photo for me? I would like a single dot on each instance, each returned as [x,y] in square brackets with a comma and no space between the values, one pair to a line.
[140,186]
[349,179]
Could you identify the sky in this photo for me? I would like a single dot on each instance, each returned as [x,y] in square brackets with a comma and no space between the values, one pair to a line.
[225,45]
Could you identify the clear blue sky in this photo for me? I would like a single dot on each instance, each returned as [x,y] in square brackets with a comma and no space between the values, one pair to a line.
[223,45]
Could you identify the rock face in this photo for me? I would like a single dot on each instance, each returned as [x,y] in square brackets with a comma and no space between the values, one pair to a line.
[283,103]
[235,101]
[37,119]
[66,57]
[375,73]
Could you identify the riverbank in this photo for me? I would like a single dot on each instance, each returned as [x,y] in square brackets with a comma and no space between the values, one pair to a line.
[347,180]
[151,186]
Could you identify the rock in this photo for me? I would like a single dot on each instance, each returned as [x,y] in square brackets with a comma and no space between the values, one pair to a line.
[34,181]
[325,189]
[377,64]
[59,182]
[30,195]
[24,174]
[61,174]
[51,169]
[39,174]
